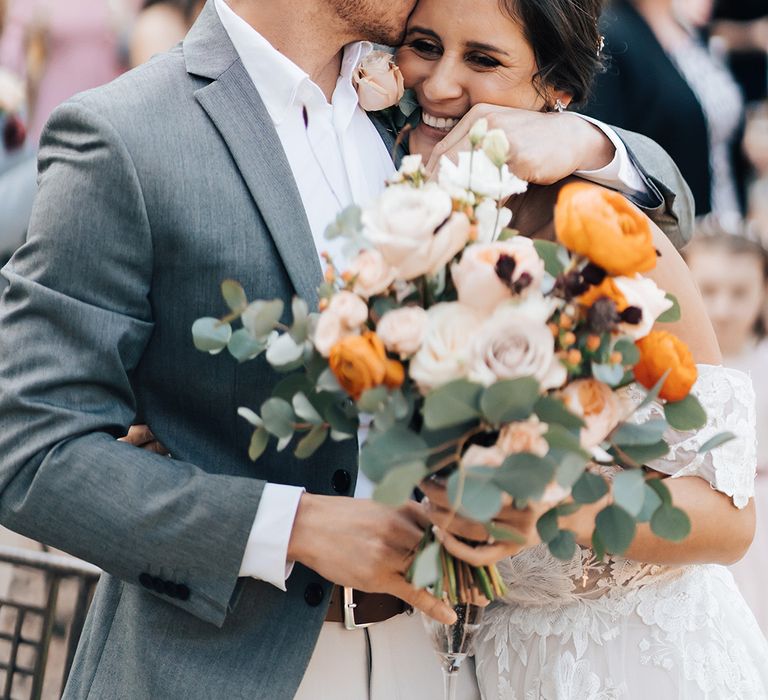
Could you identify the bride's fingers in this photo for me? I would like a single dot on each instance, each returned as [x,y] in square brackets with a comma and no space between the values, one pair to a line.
[462,527]
[483,555]
[138,436]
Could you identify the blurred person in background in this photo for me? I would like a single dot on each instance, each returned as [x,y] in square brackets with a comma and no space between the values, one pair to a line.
[64,47]
[732,274]
[161,24]
[756,149]
[662,80]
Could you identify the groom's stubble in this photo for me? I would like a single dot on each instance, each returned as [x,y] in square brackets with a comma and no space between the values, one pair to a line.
[377,21]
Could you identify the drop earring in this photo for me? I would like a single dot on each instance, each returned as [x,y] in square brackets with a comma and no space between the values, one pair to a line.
[559,106]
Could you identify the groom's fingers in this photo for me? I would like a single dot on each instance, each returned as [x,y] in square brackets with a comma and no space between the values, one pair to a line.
[484,555]
[457,139]
[419,599]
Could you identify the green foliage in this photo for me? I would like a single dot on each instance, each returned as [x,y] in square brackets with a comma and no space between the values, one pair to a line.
[311,442]
[258,444]
[278,418]
[547,526]
[629,491]
[211,335]
[672,314]
[552,256]
[426,567]
[653,394]
[570,467]
[630,355]
[503,534]
[687,414]
[304,409]
[641,454]
[397,485]
[234,296]
[261,317]
[616,528]
[563,546]
[648,433]
[285,354]
[590,488]
[509,400]
[612,375]
[300,328]
[477,494]
[716,441]
[651,502]
[243,346]
[347,224]
[671,523]
[551,410]
[454,404]
[524,476]
[661,490]
[385,451]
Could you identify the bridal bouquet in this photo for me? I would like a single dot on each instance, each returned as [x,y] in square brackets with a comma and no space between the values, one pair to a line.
[497,362]
[11,104]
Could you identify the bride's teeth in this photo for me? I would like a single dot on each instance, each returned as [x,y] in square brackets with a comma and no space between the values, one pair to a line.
[439,122]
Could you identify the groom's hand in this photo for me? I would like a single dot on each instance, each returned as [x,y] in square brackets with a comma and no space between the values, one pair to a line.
[545,147]
[363,545]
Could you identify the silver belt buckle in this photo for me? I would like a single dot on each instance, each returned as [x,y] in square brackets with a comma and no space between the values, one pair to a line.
[349,612]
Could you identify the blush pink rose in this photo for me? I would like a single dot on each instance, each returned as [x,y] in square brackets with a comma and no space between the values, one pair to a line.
[379,82]
[524,436]
[372,275]
[597,405]
[402,330]
[346,314]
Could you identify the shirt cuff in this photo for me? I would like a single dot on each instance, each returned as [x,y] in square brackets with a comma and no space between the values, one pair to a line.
[621,173]
[266,554]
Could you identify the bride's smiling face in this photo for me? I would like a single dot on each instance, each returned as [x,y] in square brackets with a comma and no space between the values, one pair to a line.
[459,53]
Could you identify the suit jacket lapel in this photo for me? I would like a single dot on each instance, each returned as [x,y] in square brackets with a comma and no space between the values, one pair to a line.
[235,108]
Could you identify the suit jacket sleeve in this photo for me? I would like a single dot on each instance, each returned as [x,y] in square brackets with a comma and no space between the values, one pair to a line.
[73,325]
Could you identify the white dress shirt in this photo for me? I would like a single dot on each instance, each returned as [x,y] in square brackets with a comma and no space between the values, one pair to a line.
[337,159]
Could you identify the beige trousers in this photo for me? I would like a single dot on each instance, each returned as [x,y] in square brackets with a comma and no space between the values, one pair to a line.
[398,653]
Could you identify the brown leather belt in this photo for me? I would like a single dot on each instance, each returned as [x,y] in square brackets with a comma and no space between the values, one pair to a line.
[368,607]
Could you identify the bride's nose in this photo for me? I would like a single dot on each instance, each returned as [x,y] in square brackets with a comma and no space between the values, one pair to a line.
[443,82]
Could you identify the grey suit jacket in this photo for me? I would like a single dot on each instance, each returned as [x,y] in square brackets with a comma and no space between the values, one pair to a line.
[153,190]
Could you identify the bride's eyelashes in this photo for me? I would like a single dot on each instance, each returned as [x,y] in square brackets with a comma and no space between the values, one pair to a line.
[432,51]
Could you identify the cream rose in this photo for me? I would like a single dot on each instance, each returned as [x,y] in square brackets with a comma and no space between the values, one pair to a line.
[410,165]
[344,316]
[597,405]
[379,82]
[12,94]
[444,351]
[477,456]
[478,276]
[328,331]
[508,345]
[372,275]
[475,172]
[524,436]
[402,330]
[645,295]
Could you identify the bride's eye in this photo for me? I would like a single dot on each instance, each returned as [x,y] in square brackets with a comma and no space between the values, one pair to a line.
[425,48]
[483,60]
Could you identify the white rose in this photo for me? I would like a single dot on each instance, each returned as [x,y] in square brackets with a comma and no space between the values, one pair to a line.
[524,436]
[402,224]
[476,173]
[445,349]
[328,331]
[371,274]
[410,165]
[402,330]
[491,220]
[12,95]
[496,147]
[379,82]
[597,405]
[645,295]
[478,276]
[350,308]
[477,456]
[508,345]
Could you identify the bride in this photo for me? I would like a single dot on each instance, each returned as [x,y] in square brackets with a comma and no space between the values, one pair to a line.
[667,621]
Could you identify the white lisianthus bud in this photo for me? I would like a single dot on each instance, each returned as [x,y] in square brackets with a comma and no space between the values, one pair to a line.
[410,165]
[496,146]
[478,131]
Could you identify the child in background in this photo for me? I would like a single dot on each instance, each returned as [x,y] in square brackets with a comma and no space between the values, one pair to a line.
[732,274]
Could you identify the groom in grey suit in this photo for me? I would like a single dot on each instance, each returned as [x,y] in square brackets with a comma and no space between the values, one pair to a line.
[152,191]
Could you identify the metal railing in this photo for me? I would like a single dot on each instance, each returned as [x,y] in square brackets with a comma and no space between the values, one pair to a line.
[32,630]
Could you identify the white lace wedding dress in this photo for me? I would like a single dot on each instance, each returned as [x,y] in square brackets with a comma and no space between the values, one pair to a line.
[588,630]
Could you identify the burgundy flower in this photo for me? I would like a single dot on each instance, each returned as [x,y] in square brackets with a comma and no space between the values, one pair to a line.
[14,133]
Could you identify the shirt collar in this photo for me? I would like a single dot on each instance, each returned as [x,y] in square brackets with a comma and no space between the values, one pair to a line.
[280,82]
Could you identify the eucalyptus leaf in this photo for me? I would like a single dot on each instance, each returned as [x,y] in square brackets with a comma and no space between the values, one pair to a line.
[278,418]
[327,382]
[598,546]
[243,346]
[563,546]
[716,441]
[559,438]
[651,502]
[524,475]
[211,335]
[629,490]
[616,528]
[479,498]
[291,385]
[570,467]
[372,400]
[509,400]
[234,295]
[590,488]
[630,355]
[504,534]
[687,414]
[426,566]
[551,410]
[284,352]
[452,404]
[671,523]
[250,416]
[661,489]
[550,253]
[386,451]
[612,375]
[305,410]
[673,314]
[283,442]
[261,317]
[648,433]
[641,454]
[396,488]
[547,526]
[654,392]
[259,442]
[347,224]
[311,442]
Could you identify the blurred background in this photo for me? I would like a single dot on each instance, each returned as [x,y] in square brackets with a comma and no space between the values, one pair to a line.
[691,74]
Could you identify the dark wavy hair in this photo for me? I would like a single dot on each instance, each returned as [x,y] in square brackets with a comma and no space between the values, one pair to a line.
[187,7]
[565,39]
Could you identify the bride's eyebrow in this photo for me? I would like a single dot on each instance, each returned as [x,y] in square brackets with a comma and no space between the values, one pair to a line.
[423,30]
[486,47]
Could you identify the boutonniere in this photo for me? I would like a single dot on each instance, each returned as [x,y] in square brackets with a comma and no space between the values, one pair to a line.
[11,105]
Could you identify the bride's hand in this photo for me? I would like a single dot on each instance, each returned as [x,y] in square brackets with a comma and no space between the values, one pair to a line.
[545,147]
[141,436]
[486,551]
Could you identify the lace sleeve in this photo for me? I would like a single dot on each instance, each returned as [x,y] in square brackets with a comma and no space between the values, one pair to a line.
[729,400]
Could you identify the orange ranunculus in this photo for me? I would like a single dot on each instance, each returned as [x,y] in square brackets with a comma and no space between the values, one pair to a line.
[606,228]
[661,351]
[360,362]
[607,288]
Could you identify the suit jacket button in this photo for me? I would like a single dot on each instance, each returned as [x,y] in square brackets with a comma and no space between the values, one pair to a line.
[145,580]
[341,481]
[314,594]
[158,585]
[182,592]
[171,589]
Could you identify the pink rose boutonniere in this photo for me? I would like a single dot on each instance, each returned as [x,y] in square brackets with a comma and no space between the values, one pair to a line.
[379,82]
